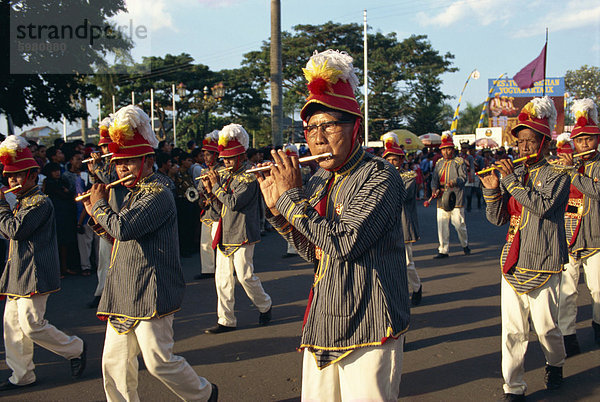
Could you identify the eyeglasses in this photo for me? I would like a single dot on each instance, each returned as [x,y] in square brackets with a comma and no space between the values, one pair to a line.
[328,127]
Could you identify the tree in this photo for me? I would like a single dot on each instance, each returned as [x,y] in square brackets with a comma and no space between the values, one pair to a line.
[468,118]
[26,97]
[584,83]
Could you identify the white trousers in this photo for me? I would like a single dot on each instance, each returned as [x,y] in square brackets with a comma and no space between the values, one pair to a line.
[24,325]
[104,252]
[241,262]
[367,374]
[86,245]
[207,253]
[567,312]
[542,305]
[414,282]
[457,217]
[154,339]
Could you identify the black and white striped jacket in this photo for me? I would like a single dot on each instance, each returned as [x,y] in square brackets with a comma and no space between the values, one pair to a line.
[360,288]
[410,220]
[32,266]
[144,279]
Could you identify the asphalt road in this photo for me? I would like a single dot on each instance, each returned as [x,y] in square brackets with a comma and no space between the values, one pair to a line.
[452,351]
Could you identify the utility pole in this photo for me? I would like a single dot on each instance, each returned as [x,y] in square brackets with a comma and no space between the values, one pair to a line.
[276,75]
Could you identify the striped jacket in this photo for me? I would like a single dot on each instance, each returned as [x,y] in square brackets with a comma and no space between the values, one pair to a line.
[410,221]
[144,279]
[542,227]
[32,266]
[360,291]
[455,170]
[212,211]
[588,183]
[239,194]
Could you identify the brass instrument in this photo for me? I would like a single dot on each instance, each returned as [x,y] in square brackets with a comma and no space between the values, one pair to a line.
[110,185]
[15,188]
[515,161]
[301,160]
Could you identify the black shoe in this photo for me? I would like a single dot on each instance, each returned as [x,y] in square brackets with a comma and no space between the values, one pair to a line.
[204,276]
[265,318]
[7,385]
[219,329]
[571,345]
[513,397]
[440,255]
[416,296]
[78,363]
[94,303]
[467,250]
[553,377]
[214,394]
[596,327]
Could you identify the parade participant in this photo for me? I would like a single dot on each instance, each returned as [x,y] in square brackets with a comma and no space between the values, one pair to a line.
[238,229]
[32,271]
[582,221]
[211,207]
[531,198]
[470,165]
[410,223]
[144,284]
[292,150]
[188,212]
[450,174]
[347,221]
[104,172]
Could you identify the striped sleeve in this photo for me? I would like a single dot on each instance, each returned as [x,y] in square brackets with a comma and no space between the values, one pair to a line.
[26,221]
[365,220]
[587,185]
[462,174]
[238,195]
[543,198]
[151,212]
[495,206]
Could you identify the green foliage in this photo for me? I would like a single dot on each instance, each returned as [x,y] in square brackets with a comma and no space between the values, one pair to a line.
[583,83]
[468,118]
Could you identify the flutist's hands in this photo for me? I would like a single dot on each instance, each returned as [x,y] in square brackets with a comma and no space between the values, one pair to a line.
[213,178]
[566,159]
[490,180]
[286,171]
[505,166]
[97,193]
[268,187]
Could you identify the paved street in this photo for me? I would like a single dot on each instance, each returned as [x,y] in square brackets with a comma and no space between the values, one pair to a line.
[453,345]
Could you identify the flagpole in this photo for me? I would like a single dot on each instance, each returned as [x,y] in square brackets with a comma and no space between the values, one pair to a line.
[545,56]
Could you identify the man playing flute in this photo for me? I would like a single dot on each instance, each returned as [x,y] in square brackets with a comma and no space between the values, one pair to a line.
[347,221]
[582,223]
[531,198]
[32,271]
[144,285]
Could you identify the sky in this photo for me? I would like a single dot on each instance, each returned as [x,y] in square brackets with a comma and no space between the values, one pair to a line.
[492,36]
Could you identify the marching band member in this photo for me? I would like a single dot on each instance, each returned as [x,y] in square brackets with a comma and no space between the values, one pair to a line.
[238,230]
[347,221]
[531,198]
[144,285]
[450,174]
[104,172]
[410,223]
[291,150]
[211,207]
[32,271]
[582,221]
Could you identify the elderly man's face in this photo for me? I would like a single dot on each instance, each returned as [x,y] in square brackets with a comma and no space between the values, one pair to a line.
[336,139]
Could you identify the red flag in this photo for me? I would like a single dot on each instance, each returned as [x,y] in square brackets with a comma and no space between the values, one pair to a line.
[533,72]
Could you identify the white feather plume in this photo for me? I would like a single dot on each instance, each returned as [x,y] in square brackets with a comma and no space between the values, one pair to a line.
[213,136]
[341,61]
[234,131]
[138,120]
[586,106]
[387,137]
[14,143]
[106,121]
[545,109]
[563,139]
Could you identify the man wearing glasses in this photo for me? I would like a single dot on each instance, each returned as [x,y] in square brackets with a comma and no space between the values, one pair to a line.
[347,221]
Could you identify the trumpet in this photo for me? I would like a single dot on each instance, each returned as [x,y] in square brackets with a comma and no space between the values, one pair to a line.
[515,161]
[301,160]
[204,176]
[92,159]
[15,188]
[110,185]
